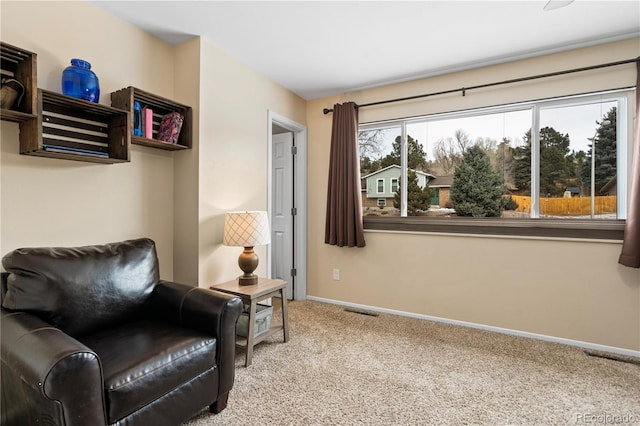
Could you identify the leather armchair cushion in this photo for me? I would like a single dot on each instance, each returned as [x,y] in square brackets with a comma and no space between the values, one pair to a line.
[144,360]
[83,289]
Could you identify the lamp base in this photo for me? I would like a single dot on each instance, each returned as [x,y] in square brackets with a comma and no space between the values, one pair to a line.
[248,280]
[248,262]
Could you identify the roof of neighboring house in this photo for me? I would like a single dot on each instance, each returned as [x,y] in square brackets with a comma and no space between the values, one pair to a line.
[573,189]
[397,167]
[441,181]
[609,185]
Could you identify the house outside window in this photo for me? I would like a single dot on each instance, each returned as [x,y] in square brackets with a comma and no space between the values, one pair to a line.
[371,182]
[542,155]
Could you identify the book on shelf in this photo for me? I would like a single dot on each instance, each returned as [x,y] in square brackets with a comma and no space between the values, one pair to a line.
[170,126]
[147,120]
[70,150]
[137,119]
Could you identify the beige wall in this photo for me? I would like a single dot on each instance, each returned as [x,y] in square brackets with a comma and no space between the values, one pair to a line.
[60,202]
[565,289]
[186,167]
[233,153]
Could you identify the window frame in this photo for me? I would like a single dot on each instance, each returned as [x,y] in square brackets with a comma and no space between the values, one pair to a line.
[378,180]
[396,181]
[597,229]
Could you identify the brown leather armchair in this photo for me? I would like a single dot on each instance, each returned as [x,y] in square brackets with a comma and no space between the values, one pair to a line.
[91,336]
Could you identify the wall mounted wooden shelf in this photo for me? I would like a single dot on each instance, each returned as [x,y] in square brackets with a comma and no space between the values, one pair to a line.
[125,98]
[75,129]
[22,65]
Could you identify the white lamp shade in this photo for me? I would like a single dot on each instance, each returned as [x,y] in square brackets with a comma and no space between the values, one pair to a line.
[246,229]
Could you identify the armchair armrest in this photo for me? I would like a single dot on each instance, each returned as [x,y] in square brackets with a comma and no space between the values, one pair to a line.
[48,376]
[211,312]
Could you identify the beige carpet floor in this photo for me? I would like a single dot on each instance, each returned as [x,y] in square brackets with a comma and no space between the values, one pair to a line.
[343,368]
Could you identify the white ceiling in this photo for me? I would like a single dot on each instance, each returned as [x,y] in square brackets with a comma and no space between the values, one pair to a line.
[323,48]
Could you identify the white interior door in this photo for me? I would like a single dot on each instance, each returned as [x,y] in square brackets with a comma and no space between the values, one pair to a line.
[282,227]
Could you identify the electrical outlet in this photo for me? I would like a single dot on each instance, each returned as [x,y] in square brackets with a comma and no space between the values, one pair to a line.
[336,274]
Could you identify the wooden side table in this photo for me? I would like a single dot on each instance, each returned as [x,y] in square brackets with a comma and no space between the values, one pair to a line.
[251,295]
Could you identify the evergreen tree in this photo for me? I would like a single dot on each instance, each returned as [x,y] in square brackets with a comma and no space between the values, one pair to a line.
[556,164]
[522,166]
[556,167]
[606,152]
[416,157]
[477,188]
[365,165]
[418,199]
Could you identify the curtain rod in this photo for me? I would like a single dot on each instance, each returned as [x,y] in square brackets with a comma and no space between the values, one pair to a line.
[482,86]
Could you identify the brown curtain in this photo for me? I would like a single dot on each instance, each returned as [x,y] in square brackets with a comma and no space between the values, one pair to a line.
[344,203]
[630,255]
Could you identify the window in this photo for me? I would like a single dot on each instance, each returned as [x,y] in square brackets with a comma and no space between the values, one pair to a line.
[528,161]
[568,160]
[380,186]
[382,202]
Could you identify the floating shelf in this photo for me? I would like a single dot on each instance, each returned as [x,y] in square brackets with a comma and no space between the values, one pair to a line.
[22,65]
[75,129]
[155,143]
[124,99]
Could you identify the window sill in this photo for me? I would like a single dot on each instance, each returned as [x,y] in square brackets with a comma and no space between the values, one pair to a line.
[550,228]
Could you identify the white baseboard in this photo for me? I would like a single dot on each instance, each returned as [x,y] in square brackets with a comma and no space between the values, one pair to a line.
[578,343]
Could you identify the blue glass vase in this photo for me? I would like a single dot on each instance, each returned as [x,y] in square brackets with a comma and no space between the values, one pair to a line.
[78,81]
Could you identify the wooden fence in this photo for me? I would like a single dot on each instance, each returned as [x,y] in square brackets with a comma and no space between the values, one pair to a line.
[575,206]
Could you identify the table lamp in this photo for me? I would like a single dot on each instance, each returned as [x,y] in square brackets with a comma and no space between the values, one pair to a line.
[246,229]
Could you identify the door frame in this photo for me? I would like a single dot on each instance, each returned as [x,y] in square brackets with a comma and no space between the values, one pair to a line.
[300,196]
